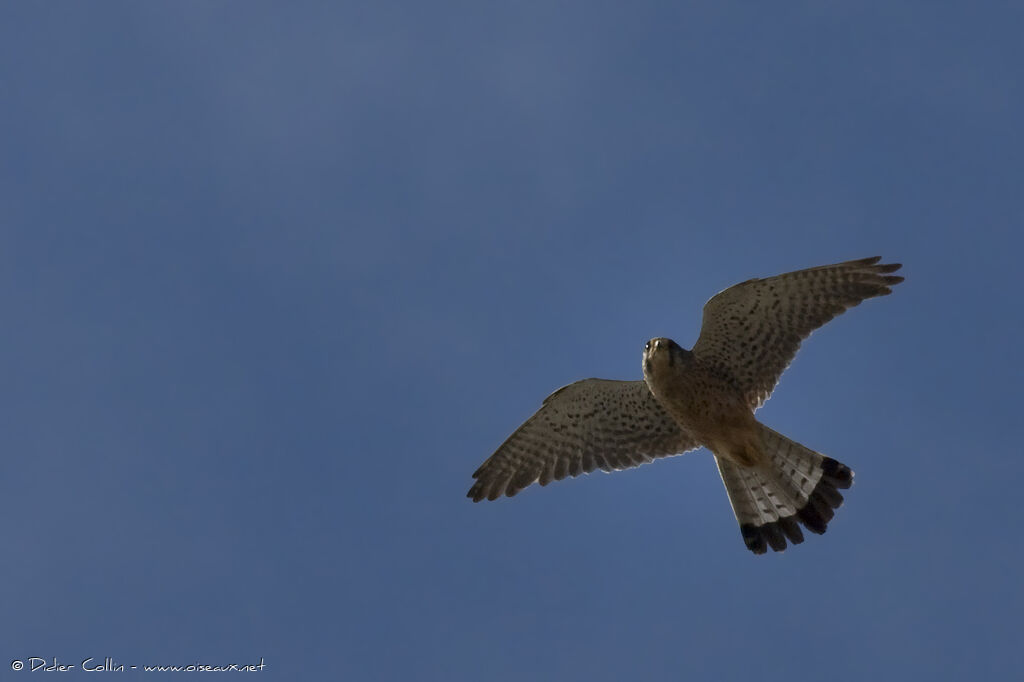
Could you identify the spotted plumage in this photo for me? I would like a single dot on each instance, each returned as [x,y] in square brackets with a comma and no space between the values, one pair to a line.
[706,397]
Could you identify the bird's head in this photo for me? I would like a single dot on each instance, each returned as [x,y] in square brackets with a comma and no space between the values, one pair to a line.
[661,354]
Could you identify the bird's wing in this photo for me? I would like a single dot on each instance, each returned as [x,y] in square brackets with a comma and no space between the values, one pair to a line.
[752,330]
[591,424]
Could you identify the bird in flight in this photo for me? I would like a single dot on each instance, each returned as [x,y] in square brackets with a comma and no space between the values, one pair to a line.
[707,397]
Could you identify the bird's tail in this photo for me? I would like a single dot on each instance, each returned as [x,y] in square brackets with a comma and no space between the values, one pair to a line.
[793,484]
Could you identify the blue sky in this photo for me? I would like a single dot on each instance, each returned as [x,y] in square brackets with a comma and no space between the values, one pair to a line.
[277,279]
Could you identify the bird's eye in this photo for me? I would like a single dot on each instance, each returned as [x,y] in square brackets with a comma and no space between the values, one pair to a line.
[647,346]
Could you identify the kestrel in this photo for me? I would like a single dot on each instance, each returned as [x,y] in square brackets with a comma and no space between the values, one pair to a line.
[705,397]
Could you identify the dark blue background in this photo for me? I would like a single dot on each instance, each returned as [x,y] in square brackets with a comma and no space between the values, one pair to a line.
[276,277]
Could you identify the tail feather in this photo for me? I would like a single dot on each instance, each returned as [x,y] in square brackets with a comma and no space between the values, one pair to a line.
[795,484]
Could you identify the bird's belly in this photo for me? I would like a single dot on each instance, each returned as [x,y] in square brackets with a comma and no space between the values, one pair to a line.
[732,436]
[711,411]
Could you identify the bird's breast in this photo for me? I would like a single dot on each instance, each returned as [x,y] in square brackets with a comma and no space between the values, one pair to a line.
[710,409]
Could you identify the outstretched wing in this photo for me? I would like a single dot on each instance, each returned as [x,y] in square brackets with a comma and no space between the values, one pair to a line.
[591,424]
[752,330]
